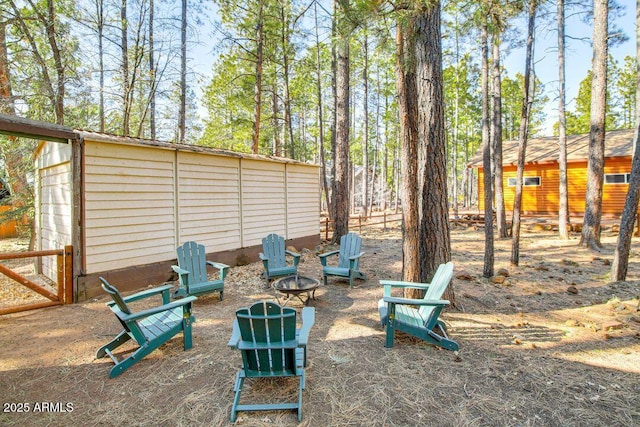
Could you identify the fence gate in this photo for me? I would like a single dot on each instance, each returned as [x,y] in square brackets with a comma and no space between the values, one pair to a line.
[64,293]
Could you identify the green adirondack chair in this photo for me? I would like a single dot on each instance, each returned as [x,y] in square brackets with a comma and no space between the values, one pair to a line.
[266,336]
[274,260]
[192,271]
[149,328]
[422,322]
[348,259]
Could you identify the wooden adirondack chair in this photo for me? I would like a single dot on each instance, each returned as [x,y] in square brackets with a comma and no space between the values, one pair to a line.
[274,258]
[266,335]
[400,314]
[150,328]
[348,260]
[192,271]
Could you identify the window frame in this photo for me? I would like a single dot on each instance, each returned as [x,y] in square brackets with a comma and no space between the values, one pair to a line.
[626,175]
[524,181]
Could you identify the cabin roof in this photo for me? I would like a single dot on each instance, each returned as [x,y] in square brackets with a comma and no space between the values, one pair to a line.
[618,143]
[115,139]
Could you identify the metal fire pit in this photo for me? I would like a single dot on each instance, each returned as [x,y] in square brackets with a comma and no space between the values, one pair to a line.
[296,286]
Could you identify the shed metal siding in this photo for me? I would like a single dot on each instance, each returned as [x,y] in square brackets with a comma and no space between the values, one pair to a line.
[263,200]
[209,200]
[303,201]
[54,219]
[129,206]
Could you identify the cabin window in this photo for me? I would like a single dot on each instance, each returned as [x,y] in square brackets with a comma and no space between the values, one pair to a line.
[617,178]
[528,181]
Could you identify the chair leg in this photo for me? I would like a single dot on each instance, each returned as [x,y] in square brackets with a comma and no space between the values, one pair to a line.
[238,389]
[221,295]
[302,381]
[120,339]
[125,364]
[187,334]
[324,278]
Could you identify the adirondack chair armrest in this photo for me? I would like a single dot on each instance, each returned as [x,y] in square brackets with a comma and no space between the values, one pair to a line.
[326,254]
[179,270]
[308,319]
[151,311]
[355,257]
[147,293]
[293,254]
[410,301]
[217,265]
[235,335]
[223,268]
[263,257]
[296,257]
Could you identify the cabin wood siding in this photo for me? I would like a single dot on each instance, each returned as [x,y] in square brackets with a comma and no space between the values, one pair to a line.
[129,197]
[544,199]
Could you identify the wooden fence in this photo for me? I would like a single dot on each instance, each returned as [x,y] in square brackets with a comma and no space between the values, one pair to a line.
[64,293]
[326,225]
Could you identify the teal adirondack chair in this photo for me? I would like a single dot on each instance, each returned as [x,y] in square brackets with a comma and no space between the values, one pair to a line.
[192,271]
[274,260]
[149,328]
[348,259]
[266,336]
[422,322]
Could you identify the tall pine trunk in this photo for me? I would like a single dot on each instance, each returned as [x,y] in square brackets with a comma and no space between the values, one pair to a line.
[257,88]
[489,256]
[408,115]
[100,30]
[620,262]
[126,89]
[152,73]
[595,166]
[323,163]
[563,208]
[340,191]
[527,99]
[496,138]
[435,242]
[365,136]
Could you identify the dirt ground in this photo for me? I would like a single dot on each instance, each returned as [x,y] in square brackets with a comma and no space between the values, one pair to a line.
[555,344]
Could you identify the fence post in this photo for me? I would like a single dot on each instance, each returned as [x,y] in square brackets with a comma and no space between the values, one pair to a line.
[68,274]
[61,276]
[360,224]
[326,228]
[384,221]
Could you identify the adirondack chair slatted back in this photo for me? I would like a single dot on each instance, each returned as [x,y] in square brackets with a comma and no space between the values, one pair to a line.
[349,246]
[120,305]
[273,329]
[439,283]
[273,248]
[192,257]
[116,296]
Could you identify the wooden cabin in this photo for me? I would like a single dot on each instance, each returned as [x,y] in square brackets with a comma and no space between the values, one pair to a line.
[125,204]
[540,190]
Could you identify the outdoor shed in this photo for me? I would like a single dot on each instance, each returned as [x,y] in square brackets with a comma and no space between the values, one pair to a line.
[540,190]
[125,204]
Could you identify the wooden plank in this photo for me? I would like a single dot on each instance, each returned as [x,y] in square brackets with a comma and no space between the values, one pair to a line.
[26,307]
[28,283]
[27,128]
